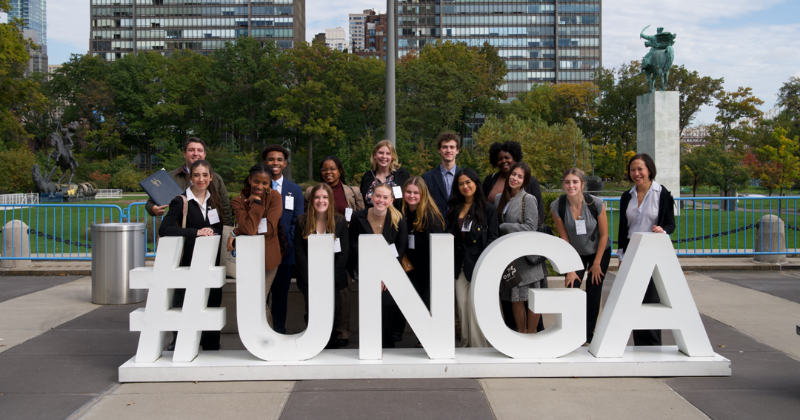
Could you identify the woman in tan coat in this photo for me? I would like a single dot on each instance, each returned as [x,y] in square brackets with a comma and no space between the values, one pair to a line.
[258,212]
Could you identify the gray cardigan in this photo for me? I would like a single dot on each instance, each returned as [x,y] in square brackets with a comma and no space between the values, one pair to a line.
[513,221]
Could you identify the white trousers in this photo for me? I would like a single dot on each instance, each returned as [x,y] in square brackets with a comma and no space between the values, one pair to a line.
[471,335]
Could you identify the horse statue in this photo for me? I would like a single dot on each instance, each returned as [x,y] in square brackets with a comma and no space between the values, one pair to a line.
[62,155]
[658,62]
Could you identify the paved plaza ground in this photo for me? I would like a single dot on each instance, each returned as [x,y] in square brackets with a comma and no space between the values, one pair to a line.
[59,356]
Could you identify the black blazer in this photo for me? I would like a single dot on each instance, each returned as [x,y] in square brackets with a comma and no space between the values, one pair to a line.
[339,259]
[533,188]
[401,175]
[437,188]
[360,225]
[470,248]
[171,225]
[420,256]
[665,219]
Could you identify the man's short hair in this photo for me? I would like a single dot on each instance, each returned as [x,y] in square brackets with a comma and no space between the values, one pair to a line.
[448,136]
[194,140]
[274,148]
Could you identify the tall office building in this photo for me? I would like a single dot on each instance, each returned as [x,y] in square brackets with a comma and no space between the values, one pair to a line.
[374,38]
[34,15]
[335,40]
[544,41]
[38,56]
[356,30]
[120,27]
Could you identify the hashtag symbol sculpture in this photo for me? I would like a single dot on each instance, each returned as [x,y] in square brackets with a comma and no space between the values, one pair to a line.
[158,317]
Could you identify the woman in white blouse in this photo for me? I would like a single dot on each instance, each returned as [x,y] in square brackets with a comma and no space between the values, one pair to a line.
[647,207]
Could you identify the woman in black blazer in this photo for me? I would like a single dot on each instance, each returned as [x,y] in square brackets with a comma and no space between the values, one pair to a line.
[473,222]
[382,218]
[384,169]
[322,218]
[422,219]
[203,218]
[647,207]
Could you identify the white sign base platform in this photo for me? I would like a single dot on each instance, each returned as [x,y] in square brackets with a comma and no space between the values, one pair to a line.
[240,365]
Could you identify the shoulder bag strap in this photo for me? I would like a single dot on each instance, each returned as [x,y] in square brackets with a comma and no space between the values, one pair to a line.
[185,210]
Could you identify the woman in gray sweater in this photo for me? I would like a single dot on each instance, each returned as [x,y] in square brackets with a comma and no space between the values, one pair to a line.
[517,211]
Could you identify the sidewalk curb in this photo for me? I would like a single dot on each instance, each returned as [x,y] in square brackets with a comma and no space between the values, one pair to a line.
[29,272]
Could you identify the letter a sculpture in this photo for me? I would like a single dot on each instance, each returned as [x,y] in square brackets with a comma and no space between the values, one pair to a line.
[657,62]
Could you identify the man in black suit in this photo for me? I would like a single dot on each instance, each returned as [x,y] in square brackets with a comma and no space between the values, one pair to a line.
[441,179]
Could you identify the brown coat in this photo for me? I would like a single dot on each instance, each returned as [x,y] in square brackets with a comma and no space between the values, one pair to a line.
[248,216]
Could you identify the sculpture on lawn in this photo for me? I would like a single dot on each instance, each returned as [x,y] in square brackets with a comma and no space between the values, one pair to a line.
[62,158]
[658,61]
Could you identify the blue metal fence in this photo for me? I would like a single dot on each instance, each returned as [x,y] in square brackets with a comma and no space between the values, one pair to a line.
[704,226]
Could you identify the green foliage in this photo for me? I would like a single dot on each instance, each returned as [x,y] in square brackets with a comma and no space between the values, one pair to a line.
[548,149]
[783,159]
[15,165]
[127,179]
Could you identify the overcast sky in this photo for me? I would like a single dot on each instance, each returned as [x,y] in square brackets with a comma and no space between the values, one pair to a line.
[749,43]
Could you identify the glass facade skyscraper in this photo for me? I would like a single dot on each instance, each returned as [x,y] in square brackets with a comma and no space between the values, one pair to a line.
[120,27]
[33,13]
[544,41]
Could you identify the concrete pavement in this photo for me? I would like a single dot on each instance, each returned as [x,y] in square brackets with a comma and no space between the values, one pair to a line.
[61,356]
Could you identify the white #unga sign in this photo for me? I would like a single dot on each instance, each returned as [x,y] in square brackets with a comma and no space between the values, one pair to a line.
[556,351]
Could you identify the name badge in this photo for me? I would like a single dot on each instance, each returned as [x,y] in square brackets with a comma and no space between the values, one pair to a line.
[348,213]
[398,192]
[394,250]
[289,203]
[337,246]
[467,226]
[213,216]
[580,227]
[411,242]
[262,225]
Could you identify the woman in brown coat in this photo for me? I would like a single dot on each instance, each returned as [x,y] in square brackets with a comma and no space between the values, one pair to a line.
[258,211]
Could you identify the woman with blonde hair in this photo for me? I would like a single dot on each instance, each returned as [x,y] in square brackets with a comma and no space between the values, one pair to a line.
[384,169]
[382,219]
[422,219]
[322,218]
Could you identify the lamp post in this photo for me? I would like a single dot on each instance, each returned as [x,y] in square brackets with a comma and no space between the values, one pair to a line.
[391,56]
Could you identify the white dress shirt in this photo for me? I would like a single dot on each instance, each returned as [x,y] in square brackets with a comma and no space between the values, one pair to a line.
[203,205]
[642,218]
[279,186]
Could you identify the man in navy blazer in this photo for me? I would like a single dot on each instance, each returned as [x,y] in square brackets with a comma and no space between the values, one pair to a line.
[277,157]
[441,179]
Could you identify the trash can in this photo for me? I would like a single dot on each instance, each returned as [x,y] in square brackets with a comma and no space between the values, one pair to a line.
[117,248]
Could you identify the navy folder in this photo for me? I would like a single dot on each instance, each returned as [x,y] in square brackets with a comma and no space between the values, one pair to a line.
[161,187]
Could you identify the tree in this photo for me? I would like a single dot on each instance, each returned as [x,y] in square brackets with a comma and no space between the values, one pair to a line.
[783,159]
[535,103]
[789,100]
[311,104]
[732,107]
[724,169]
[616,119]
[695,91]
[694,163]
[18,94]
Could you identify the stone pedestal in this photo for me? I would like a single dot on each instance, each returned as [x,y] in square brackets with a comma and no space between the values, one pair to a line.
[658,135]
[16,243]
[770,237]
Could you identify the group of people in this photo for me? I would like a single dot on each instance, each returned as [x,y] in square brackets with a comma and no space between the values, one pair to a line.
[405,210]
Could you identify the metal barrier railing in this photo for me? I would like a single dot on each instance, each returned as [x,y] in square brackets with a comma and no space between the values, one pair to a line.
[724,225]
[704,226]
[54,231]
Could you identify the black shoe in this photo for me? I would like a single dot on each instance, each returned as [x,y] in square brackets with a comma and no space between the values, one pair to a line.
[171,346]
[332,345]
[343,342]
[397,337]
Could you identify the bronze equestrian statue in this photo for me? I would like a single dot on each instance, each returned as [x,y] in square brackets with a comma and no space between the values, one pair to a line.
[658,62]
[62,155]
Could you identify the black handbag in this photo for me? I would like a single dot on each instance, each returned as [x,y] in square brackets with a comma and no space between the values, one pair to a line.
[511,277]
